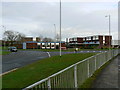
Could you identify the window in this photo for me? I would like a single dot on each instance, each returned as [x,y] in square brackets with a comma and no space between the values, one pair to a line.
[89,38]
[103,42]
[38,43]
[43,43]
[83,39]
[57,43]
[103,37]
[93,37]
[97,37]
[75,39]
[52,45]
[34,39]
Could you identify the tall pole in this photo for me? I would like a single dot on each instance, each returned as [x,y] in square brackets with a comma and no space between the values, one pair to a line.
[55,36]
[109,30]
[55,32]
[109,33]
[60,28]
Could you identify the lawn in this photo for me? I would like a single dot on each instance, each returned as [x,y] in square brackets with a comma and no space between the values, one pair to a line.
[4,52]
[34,72]
[3,48]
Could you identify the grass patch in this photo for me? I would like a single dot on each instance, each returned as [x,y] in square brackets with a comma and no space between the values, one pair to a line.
[34,72]
[3,48]
[90,81]
[4,52]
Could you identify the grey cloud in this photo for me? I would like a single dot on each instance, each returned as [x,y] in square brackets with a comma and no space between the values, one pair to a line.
[78,19]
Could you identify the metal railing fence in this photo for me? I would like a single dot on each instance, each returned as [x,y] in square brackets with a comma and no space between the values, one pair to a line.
[74,75]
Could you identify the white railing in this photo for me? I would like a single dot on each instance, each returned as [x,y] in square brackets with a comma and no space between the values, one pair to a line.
[74,75]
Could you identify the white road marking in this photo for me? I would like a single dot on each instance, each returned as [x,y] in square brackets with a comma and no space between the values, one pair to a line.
[48,54]
[8,71]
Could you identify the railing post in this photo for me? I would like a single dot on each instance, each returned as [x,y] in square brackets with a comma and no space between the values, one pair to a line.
[75,76]
[88,68]
[49,84]
[95,63]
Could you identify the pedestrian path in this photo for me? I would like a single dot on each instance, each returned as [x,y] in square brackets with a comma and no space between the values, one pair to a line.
[108,78]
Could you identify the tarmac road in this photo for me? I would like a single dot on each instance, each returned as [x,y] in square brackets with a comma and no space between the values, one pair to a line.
[21,58]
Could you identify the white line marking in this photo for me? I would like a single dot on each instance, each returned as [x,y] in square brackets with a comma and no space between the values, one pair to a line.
[8,71]
[48,54]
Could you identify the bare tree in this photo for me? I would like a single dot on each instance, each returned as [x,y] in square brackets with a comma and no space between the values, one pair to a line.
[13,36]
[57,37]
[41,37]
[47,39]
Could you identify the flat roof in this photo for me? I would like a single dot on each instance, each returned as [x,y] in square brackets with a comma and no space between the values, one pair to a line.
[42,42]
[91,36]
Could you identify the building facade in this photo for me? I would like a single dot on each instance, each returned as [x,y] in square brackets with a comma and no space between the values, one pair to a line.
[98,41]
[43,45]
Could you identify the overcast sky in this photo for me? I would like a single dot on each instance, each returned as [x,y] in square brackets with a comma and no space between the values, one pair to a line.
[78,18]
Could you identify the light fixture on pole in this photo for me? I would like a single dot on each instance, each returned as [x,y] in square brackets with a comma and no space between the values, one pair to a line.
[109,29]
[55,32]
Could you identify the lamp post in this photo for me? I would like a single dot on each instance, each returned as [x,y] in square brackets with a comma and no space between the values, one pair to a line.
[60,28]
[109,29]
[55,32]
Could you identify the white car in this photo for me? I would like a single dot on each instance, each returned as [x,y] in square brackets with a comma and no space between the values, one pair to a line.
[12,49]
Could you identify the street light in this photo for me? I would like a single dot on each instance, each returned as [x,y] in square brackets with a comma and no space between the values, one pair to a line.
[60,28]
[55,32]
[109,29]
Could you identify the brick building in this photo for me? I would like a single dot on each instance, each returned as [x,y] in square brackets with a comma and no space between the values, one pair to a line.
[43,45]
[98,41]
[25,39]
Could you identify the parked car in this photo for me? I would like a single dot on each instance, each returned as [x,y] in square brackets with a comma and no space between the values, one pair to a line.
[12,49]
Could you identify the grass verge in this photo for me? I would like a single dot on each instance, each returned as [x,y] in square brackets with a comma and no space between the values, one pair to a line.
[90,81]
[41,69]
[4,52]
[3,48]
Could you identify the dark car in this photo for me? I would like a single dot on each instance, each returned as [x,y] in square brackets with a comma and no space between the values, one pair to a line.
[12,49]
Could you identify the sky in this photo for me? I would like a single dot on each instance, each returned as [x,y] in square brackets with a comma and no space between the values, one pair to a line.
[79,18]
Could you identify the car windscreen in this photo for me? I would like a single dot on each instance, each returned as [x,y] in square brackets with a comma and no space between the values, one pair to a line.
[13,47]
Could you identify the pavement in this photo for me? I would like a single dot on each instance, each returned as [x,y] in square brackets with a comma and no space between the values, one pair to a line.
[110,76]
[21,58]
